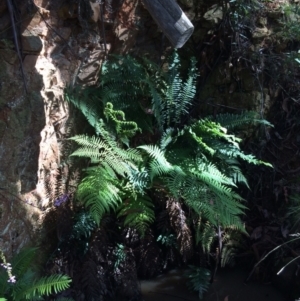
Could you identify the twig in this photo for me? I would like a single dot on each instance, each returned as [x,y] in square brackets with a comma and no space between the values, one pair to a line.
[256,265]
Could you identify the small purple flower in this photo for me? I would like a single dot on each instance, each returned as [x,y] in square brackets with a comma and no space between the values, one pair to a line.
[62,199]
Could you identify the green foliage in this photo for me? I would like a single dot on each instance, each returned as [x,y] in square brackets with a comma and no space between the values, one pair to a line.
[290,23]
[167,240]
[158,164]
[89,106]
[28,285]
[192,161]
[205,235]
[139,212]
[46,286]
[172,100]
[232,121]
[241,12]
[100,189]
[124,129]
[232,242]
[200,165]
[123,81]
[120,255]
[198,279]
[129,83]
[83,226]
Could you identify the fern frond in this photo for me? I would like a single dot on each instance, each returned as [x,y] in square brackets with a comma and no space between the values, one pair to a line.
[99,191]
[209,193]
[171,101]
[123,127]
[120,160]
[90,109]
[208,170]
[231,151]
[159,164]
[158,107]
[47,285]
[83,226]
[139,179]
[166,138]
[206,235]
[187,93]
[21,284]
[22,261]
[139,213]
[231,121]
[232,242]
[233,170]
[198,279]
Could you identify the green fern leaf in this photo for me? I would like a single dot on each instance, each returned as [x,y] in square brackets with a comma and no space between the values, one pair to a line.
[22,261]
[47,285]
[198,279]
[231,121]
[99,192]
[139,212]
[159,164]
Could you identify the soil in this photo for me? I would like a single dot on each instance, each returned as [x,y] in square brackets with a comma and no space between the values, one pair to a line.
[228,286]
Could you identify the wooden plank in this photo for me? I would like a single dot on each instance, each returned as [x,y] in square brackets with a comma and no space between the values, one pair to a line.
[171,19]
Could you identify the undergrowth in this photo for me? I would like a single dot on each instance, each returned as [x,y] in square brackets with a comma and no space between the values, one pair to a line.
[190,167]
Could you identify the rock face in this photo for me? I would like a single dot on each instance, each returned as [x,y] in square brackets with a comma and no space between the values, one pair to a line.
[58,50]
[62,44]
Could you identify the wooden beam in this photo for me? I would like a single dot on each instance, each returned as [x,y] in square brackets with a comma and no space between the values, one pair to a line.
[171,19]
